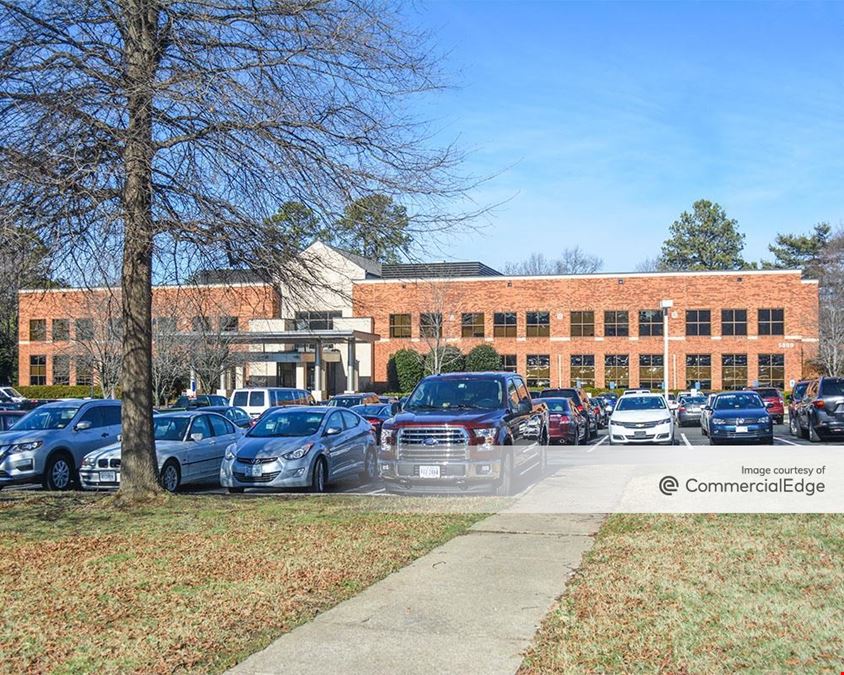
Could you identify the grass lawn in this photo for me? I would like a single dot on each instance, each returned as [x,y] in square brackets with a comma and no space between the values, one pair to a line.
[188,584]
[702,594]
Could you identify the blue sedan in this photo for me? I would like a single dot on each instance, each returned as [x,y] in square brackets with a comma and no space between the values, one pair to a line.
[738,418]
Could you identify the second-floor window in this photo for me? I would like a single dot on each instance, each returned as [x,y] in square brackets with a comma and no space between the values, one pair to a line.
[228,324]
[84,329]
[430,325]
[316,320]
[37,330]
[472,325]
[537,324]
[698,322]
[771,322]
[504,324]
[399,325]
[650,322]
[583,324]
[733,322]
[200,324]
[616,324]
[61,330]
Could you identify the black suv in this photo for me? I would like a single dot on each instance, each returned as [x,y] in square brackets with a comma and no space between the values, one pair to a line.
[581,402]
[820,413]
[464,432]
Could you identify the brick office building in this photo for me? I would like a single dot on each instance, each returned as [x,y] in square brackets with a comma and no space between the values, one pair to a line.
[727,330]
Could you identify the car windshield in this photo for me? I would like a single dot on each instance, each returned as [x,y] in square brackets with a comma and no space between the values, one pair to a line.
[344,401]
[738,402]
[288,423]
[11,391]
[832,387]
[47,418]
[170,428]
[372,410]
[556,405]
[456,394]
[694,400]
[640,403]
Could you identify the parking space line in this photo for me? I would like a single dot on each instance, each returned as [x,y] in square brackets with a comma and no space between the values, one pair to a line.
[785,440]
[592,447]
[685,440]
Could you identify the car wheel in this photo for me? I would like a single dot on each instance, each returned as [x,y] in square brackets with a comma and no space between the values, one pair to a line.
[319,480]
[814,436]
[58,474]
[370,463]
[171,476]
[505,483]
[793,429]
[576,440]
[236,491]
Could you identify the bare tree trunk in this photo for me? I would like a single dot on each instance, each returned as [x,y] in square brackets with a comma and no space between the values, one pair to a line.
[139,463]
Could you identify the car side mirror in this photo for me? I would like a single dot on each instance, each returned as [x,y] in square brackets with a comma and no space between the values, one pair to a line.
[524,407]
[196,436]
[332,431]
[769,404]
[82,426]
[707,407]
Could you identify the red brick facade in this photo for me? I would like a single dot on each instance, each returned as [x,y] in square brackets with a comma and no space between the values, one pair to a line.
[716,359]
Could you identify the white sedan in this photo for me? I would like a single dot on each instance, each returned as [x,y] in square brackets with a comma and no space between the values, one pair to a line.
[641,418]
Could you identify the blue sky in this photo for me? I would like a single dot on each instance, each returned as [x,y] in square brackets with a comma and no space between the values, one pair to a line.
[602,122]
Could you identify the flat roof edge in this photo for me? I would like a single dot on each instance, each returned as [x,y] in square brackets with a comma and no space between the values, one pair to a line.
[596,275]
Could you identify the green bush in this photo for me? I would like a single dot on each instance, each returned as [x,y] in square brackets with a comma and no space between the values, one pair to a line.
[483,357]
[59,391]
[451,360]
[407,364]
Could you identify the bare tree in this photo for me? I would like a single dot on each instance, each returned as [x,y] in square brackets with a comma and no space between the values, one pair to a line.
[170,357]
[441,321]
[571,261]
[96,344]
[830,358]
[649,265]
[165,134]
[213,350]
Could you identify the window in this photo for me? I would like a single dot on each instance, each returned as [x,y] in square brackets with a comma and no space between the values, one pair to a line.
[38,369]
[84,373]
[164,325]
[650,322]
[583,370]
[733,371]
[256,399]
[316,320]
[771,322]
[350,420]
[617,370]
[699,371]
[61,369]
[37,330]
[538,371]
[583,324]
[200,425]
[220,426]
[698,322]
[504,324]
[616,324]
[538,324]
[228,324]
[399,325]
[111,415]
[733,322]
[61,330]
[430,325]
[115,329]
[651,371]
[473,325]
[93,415]
[772,370]
[200,324]
[84,329]
[509,363]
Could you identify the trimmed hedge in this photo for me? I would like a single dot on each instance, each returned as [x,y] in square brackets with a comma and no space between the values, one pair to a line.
[404,370]
[483,357]
[59,391]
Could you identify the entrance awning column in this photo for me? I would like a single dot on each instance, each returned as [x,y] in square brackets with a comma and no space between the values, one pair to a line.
[352,373]
[319,389]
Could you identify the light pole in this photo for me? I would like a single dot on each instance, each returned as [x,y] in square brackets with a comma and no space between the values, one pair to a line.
[666,305]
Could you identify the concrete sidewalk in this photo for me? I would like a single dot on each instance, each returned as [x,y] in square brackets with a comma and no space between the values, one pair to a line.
[470,606]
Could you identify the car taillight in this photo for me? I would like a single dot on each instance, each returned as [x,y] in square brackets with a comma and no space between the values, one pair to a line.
[682,408]
[565,419]
[553,418]
[579,407]
[819,403]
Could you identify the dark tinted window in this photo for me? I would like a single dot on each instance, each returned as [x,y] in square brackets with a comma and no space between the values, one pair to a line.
[832,388]
[256,398]
[557,405]
[738,401]
[92,415]
[111,415]
[220,426]
[241,398]
[468,393]
[350,419]
[200,426]
[767,393]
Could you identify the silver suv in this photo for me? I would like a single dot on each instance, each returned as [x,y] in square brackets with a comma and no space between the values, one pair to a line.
[48,444]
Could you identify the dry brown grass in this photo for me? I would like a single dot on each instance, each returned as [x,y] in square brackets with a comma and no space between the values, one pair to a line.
[187,583]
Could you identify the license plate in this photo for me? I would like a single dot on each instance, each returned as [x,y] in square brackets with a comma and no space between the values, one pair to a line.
[741,430]
[256,470]
[429,472]
[108,476]
[639,434]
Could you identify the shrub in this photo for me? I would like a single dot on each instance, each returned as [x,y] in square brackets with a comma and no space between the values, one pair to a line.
[59,391]
[483,357]
[450,360]
[407,364]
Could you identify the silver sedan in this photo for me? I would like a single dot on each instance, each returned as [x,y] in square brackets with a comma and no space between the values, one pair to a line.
[301,447]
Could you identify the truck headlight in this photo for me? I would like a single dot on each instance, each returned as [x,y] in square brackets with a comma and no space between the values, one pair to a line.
[231,451]
[298,453]
[388,437]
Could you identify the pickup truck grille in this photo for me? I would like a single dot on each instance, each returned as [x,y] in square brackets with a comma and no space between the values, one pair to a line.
[433,443]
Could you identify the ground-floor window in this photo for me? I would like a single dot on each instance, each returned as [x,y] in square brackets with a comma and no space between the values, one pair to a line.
[699,371]
[61,369]
[583,370]
[772,370]
[617,371]
[509,363]
[38,369]
[733,371]
[538,371]
[84,373]
[651,371]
